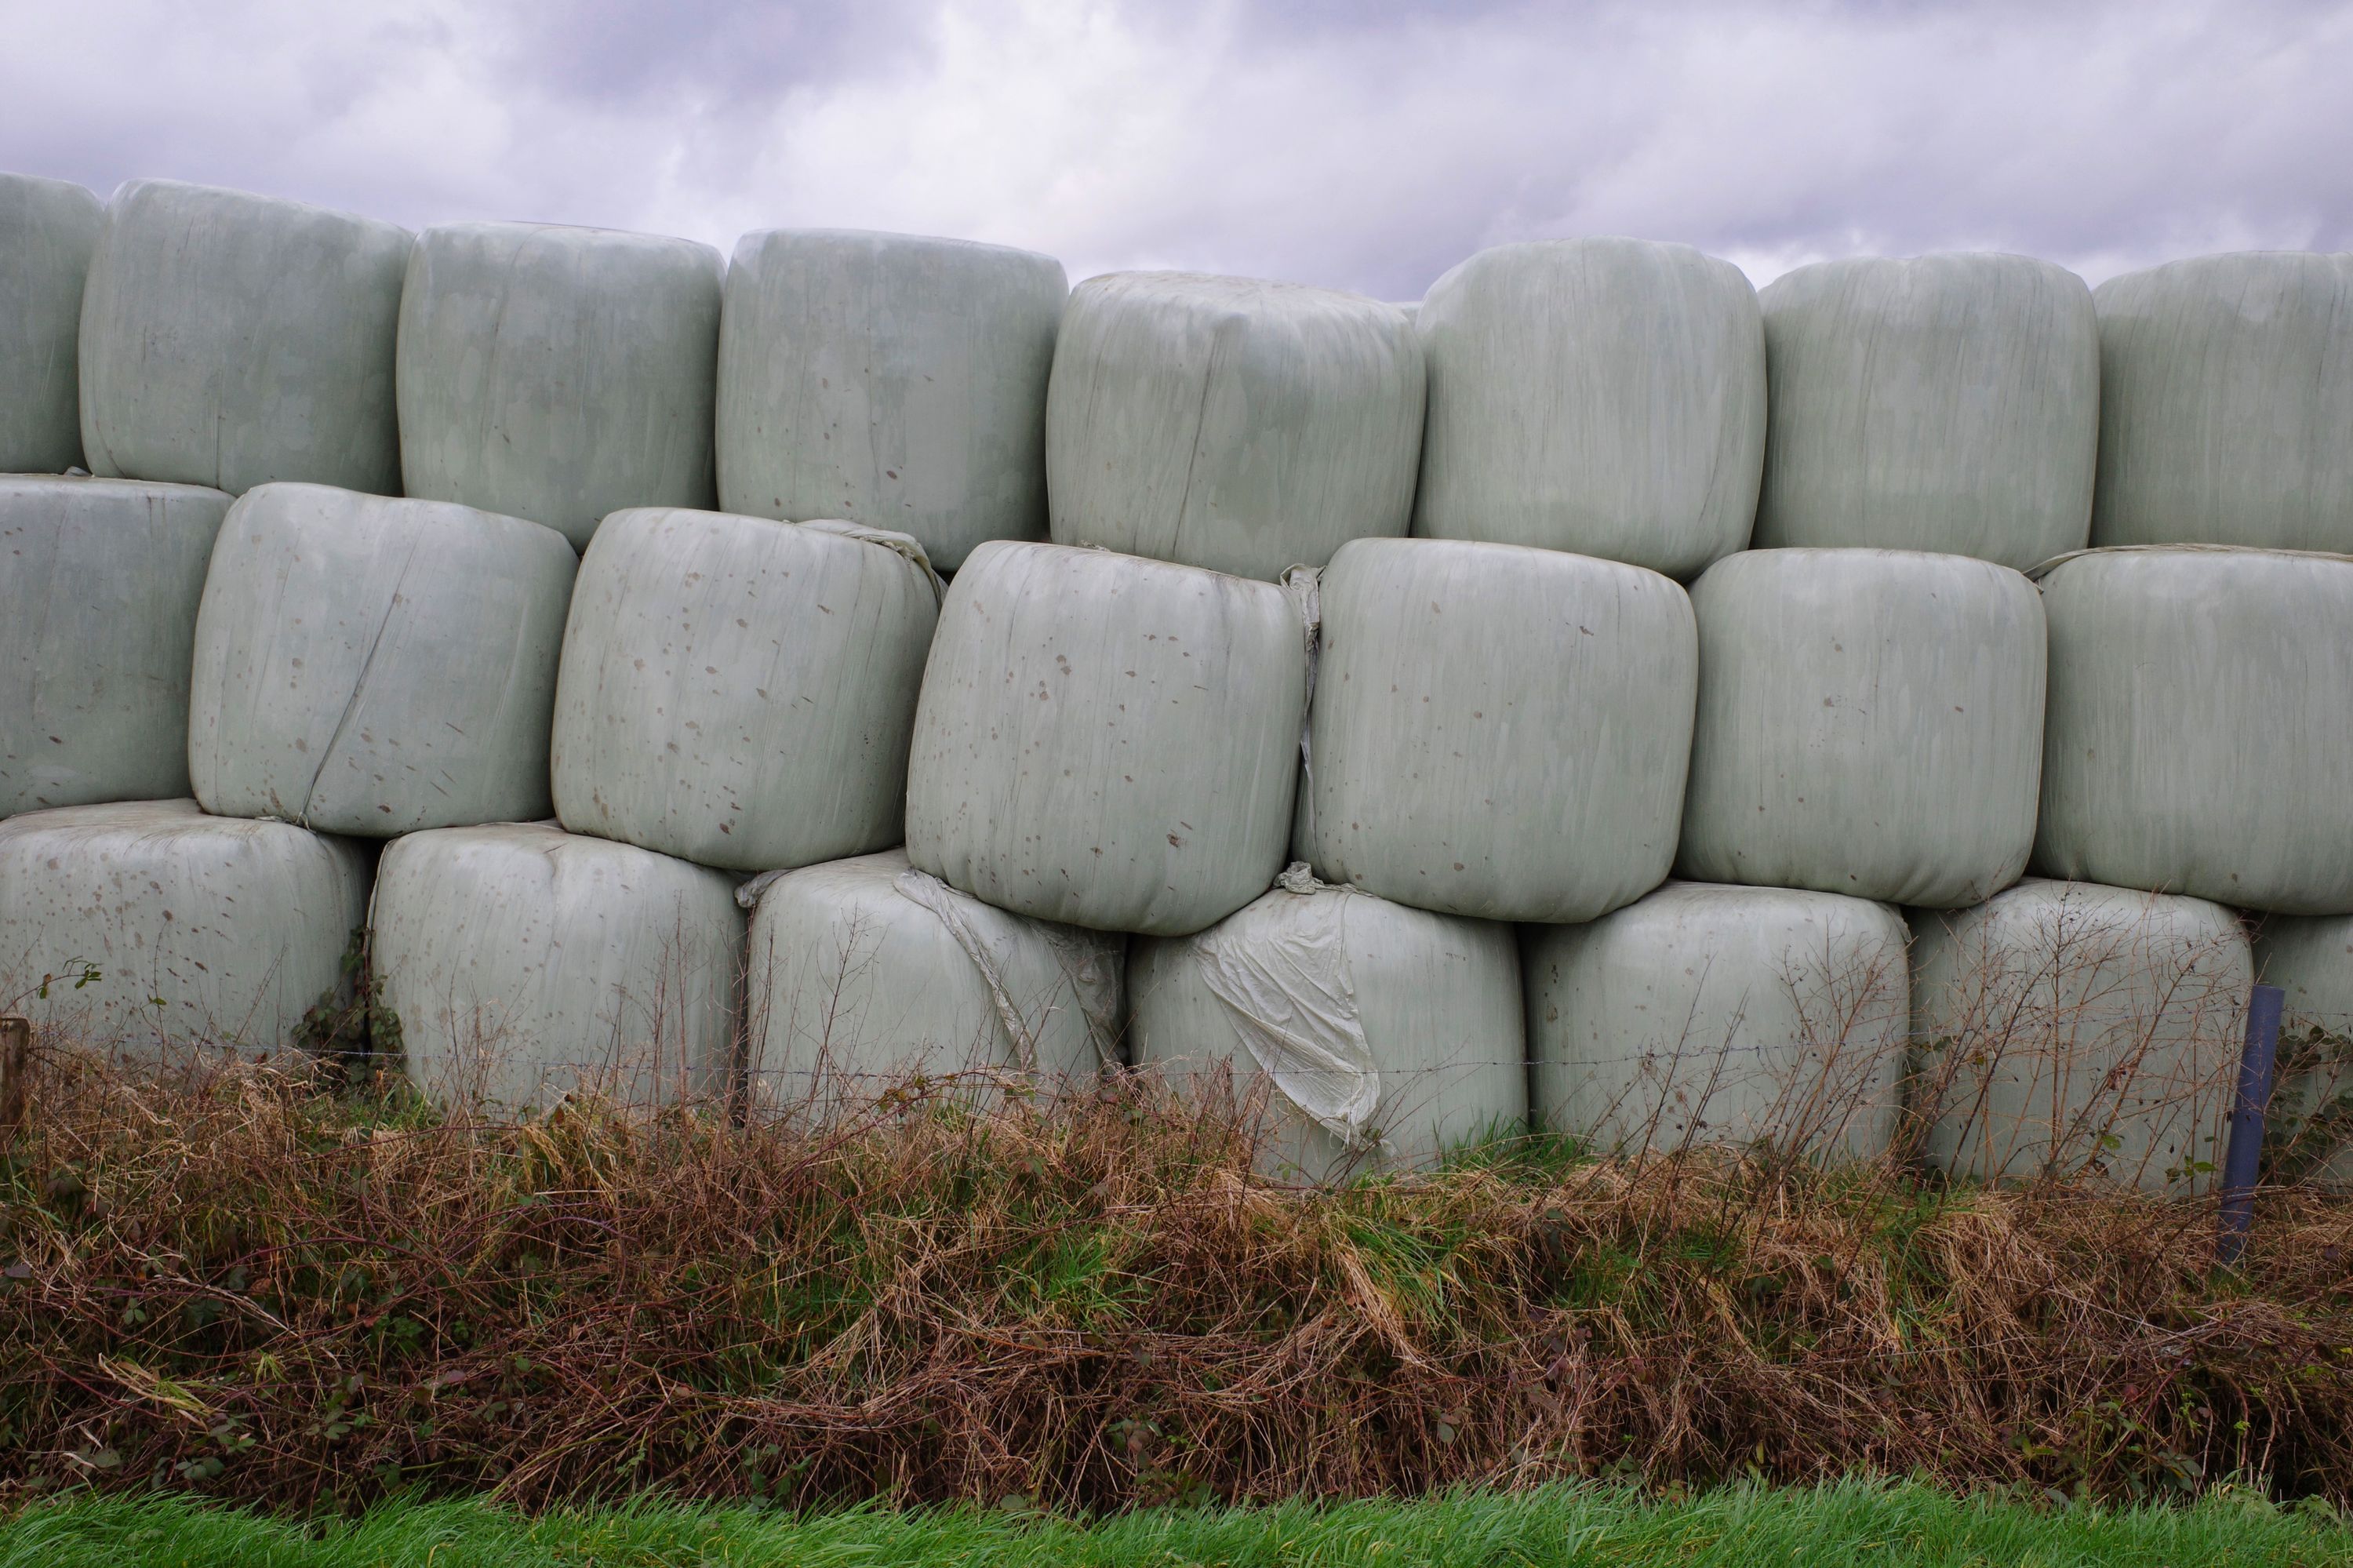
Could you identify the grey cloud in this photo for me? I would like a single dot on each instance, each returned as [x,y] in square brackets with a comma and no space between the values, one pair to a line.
[1368,145]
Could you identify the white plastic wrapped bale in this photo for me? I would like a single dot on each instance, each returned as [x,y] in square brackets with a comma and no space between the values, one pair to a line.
[2226,396]
[203,931]
[2201,726]
[2311,1112]
[1870,722]
[1709,1014]
[47,230]
[2067,1029]
[1386,1034]
[520,962]
[1107,742]
[1600,396]
[865,971]
[1498,731]
[98,612]
[558,374]
[738,692]
[1943,403]
[1225,422]
[890,379]
[231,340]
[371,666]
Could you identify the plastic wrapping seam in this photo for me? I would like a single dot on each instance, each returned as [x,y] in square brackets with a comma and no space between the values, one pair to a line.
[1292,1003]
[905,545]
[1093,984]
[2035,574]
[1303,586]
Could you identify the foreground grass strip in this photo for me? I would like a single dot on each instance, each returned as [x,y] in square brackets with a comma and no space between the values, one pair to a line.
[243,1285]
[1854,1523]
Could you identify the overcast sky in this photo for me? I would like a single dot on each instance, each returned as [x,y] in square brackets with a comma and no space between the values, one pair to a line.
[1367,146]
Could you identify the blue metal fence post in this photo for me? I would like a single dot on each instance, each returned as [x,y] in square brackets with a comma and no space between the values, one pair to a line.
[2243,1161]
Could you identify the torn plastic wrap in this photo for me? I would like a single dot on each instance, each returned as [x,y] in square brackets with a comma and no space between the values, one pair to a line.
[1231,423]
[739,692]
[373,666]
[1387,1034]
[2068,1029]
[205,931]
[866,972]
[98,615]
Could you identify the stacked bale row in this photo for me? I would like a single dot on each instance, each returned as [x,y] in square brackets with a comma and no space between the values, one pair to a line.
[1518,716]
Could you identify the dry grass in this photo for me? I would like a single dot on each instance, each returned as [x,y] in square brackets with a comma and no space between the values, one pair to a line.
[235,1281]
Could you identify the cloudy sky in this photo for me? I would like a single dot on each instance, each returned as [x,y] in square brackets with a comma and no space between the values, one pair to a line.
[1368,144]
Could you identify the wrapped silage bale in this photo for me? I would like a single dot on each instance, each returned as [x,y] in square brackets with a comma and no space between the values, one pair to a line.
[47,230]
[519,962]
[891,379]
[1497,731]
[1943,403]
[558,374]
[100,580]
[1107,742]
[231,340]
[738,692]
[1870,722]
[2226,403]
[371,666]
[2311,1112]
[1231,423]
[2201,726]
[863,972]
[1389,1034]
[1600,396]
[1711,1015]
[2068,1029]
[203,931]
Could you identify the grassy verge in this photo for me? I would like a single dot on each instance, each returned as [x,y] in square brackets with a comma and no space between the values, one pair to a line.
[240,1286]
[1588,1527]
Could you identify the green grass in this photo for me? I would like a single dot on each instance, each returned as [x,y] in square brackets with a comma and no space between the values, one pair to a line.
[1855,1522]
